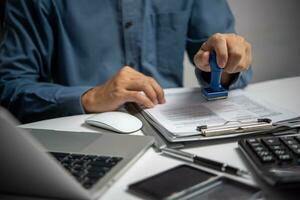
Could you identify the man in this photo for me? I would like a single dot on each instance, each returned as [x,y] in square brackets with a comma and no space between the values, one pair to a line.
[64,57]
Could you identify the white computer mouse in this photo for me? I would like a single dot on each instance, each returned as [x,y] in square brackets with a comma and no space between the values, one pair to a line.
[120,122]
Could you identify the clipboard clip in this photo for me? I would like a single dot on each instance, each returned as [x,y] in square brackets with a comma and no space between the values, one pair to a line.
[233,127]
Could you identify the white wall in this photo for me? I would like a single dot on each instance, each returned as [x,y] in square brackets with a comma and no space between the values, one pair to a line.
[273,28]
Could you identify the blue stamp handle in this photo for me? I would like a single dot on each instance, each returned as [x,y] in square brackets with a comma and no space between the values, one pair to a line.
[216,71]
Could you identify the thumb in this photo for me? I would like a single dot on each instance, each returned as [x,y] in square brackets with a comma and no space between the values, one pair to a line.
[201,60]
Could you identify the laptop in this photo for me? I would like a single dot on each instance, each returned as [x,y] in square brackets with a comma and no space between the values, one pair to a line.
[63,165]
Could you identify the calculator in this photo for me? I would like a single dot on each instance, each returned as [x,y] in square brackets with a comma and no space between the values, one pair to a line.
[275,159]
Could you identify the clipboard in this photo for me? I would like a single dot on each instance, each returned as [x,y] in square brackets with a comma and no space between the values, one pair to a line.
[164,138]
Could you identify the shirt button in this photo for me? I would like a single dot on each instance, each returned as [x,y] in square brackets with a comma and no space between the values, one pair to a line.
[128,25]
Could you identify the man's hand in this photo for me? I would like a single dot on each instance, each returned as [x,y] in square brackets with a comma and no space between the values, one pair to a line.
[127,85]
[233,55]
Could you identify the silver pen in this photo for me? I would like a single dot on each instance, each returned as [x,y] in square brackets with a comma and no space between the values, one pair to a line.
[222,167]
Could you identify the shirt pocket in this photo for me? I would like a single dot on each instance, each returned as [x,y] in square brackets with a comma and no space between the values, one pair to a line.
[170,39]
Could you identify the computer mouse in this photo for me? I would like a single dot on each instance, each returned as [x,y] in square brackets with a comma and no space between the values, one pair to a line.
[117,121]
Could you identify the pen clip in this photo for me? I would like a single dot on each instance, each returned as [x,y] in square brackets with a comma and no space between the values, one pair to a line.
[229,127]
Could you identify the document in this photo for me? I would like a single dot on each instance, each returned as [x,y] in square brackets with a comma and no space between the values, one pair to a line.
[185,109]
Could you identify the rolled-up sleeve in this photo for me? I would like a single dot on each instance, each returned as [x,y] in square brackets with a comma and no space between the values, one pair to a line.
[208,18]
[26,86]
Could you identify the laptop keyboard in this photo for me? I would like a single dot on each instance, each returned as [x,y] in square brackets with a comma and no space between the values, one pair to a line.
[87,169]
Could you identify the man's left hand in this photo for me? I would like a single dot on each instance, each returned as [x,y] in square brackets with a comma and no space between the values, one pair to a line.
[233,55]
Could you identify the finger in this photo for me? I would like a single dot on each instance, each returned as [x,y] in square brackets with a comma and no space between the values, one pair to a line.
[245,63]
[142,84]
[248,55]
[201,60]
[133,72]
[127,72]
[137,97]
[235,59]
[158,89]
[139,82]
[124,72]
[220,48]
[218,43]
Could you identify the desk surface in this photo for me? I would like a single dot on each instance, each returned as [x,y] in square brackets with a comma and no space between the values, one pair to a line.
[281,92]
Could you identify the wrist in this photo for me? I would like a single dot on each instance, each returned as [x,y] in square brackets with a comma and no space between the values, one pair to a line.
[87,100]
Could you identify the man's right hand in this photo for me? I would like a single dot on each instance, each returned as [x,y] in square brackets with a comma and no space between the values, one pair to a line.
[128,85]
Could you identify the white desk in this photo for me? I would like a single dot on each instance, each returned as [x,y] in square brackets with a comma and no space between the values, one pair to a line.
[282,92]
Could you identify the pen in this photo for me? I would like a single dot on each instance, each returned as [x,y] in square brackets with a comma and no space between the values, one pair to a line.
[223,167]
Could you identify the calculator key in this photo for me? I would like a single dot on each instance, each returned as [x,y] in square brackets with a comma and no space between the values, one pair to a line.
[271,141]
[264,153]
[267,159]
[255,144]
[296,152]
[289,140]
[280,152]
[285,157]
[259,148]
[277,147]
[294,146]
[252,140]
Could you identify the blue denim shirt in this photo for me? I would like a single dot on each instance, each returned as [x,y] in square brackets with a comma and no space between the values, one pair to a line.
[55,50]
